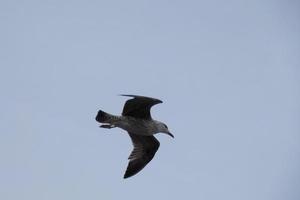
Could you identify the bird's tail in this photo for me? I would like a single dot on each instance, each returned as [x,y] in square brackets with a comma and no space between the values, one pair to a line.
[103,117]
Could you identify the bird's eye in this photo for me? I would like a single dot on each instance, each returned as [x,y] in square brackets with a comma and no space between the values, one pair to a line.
[166,126]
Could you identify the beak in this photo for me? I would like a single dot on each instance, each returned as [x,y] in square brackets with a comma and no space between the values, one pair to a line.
[170,134]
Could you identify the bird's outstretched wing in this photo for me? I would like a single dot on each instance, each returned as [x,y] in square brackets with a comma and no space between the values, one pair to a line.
[144,150]
[139,106]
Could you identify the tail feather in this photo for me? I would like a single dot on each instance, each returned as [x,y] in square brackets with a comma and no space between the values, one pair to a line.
[102,116]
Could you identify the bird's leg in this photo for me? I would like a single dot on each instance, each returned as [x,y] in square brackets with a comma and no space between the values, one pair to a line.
[109,126]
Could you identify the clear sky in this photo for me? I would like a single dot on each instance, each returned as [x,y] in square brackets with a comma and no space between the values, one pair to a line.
[227,71]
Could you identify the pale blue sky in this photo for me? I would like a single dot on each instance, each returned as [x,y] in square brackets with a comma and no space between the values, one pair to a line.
[227,71]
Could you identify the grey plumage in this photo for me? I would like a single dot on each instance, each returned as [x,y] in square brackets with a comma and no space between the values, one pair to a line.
[137,121]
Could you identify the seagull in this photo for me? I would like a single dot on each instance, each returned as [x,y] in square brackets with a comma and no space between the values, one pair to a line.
[137,121]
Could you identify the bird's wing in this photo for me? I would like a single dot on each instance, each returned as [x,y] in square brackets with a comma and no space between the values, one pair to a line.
[139,106]
[144,150]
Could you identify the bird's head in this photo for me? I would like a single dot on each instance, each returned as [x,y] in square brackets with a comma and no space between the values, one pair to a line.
[163,128]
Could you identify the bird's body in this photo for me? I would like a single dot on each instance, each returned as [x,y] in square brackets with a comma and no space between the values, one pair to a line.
[137,121]
[133,125]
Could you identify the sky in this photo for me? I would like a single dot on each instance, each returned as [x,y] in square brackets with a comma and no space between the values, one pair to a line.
[227,71]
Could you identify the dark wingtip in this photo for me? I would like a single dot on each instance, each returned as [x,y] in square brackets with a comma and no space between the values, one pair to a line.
[159,101]
[127,95]
[127,174]
[139,96]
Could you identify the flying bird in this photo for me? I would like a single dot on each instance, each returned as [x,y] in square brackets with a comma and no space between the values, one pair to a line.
[137,121]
